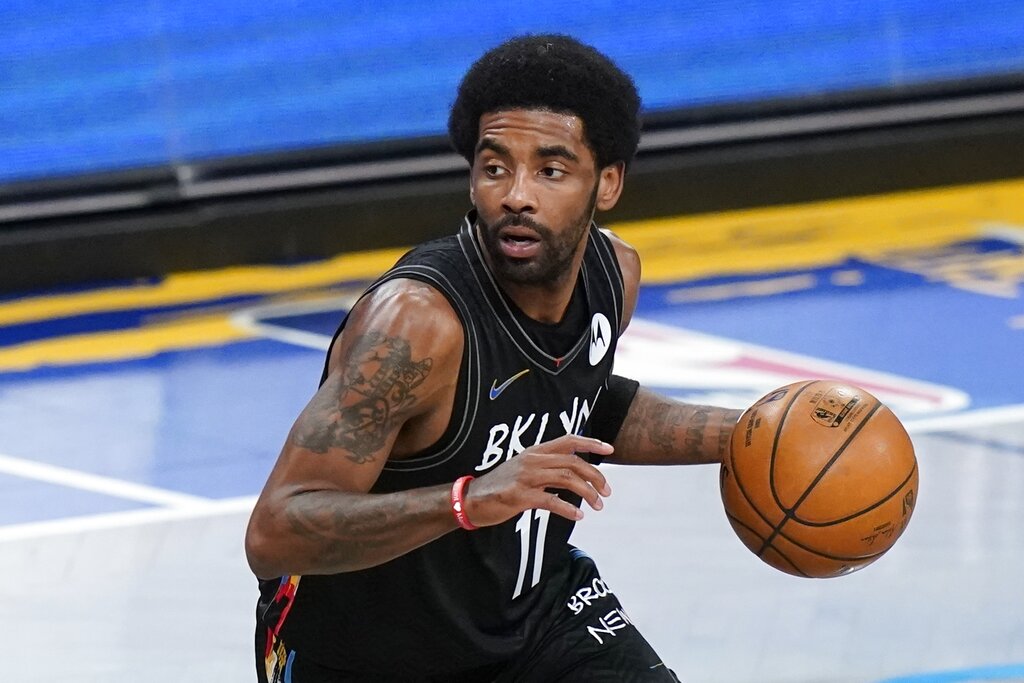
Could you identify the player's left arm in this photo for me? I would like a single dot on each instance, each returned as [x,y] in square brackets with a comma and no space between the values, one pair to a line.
[656,429]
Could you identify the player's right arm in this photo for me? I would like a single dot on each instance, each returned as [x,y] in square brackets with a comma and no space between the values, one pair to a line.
[389,393]
[389,368]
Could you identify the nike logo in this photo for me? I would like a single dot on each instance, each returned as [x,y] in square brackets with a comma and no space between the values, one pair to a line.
[496,389]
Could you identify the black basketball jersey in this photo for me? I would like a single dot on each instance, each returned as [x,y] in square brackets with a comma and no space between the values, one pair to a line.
[469,598]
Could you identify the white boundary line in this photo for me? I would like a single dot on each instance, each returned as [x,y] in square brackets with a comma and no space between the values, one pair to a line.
[191,507]
[967,420]
[250,319]
[118,488]
[120,520]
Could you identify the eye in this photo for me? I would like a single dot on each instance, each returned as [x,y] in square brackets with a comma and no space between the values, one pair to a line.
[493,170]
[552,172]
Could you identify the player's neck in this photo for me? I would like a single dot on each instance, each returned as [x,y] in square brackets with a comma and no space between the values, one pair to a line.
[544,303]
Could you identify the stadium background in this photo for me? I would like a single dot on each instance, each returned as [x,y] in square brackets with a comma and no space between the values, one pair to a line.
[849,162]
[141,138]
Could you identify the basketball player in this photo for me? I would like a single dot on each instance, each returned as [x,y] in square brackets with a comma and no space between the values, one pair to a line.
[416,524]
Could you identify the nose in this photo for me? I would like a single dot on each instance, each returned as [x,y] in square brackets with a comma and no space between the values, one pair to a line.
[520,197]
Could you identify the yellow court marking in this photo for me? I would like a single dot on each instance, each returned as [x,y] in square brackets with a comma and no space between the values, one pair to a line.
[99,347]
[183,288]
[754,241]
[820,233]
[672,249]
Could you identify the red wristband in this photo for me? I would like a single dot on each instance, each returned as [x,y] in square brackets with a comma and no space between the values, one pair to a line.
[458,505]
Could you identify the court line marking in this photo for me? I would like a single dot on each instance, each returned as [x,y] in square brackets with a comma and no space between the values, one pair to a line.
[982,417]
[120,520]
[192,507]
[252,320]
[109,486]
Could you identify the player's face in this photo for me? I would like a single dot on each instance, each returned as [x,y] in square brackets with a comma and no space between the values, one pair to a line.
[536,185]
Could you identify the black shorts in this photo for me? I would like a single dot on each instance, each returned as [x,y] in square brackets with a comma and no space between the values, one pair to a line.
[589,639]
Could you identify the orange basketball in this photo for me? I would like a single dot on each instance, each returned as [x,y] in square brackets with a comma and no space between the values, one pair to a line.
[821,478]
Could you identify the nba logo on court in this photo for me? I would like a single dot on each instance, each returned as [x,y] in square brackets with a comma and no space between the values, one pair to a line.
[700,368]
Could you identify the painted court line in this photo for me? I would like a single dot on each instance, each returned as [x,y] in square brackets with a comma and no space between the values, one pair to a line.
[120,520]
[974,418]
[179,506]
[118,488]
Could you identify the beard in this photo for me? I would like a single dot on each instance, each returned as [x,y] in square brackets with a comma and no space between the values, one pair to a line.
[555,256]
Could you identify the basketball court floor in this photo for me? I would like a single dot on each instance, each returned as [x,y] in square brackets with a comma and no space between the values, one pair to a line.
[139,421]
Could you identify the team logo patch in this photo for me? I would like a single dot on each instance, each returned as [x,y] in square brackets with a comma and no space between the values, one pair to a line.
[600,337]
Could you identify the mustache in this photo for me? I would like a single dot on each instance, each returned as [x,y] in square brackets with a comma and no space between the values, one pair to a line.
[520,220]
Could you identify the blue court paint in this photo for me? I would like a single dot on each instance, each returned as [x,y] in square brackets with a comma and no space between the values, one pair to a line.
[1005,672]
[211,421]
[208,422]
[857,324]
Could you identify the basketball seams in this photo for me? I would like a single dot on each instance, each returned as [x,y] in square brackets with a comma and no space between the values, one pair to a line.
[735,473]
[775,448]
[754,499]
[832,461]
[828,556]
[787,513]
[873,506]
[739,522]
[790,513]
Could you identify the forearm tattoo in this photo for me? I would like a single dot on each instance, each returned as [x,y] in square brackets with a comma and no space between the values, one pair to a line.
[658,430]
[341,536]
[356,407]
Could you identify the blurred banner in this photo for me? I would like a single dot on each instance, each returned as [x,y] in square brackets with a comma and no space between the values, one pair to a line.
[90,87]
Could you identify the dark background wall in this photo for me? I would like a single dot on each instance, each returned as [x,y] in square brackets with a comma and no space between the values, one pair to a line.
[142,139]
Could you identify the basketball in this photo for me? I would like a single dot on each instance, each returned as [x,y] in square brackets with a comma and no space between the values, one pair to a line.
[820,480]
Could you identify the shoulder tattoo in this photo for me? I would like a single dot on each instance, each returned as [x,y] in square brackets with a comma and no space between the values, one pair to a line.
[357,405]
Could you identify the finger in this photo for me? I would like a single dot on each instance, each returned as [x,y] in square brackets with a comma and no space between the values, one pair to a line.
[590,485]
[573,443]
[549,465]
[591,474]
[567,479]
[563,508]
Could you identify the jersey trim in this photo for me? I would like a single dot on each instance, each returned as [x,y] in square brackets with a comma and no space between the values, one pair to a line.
[442,452]
[504,315]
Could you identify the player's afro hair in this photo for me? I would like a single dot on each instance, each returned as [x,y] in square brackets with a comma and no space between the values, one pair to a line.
[554,73]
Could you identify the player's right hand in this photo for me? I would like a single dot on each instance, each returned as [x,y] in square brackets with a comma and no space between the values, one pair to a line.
[529,480]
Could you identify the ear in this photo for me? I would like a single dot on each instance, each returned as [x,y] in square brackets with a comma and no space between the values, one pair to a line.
[609,185]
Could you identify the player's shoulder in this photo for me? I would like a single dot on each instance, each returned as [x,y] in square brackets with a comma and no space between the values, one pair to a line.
[626,254]
[406,303]
[439,250]
[408,317]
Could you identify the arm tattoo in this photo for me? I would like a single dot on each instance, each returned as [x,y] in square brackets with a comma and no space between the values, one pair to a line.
[356,407]
[341,536]
[658,430]
[694,439]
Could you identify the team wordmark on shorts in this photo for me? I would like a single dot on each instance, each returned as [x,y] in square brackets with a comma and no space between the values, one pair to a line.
[608,624]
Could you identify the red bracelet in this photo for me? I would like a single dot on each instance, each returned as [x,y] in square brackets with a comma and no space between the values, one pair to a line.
[458,505]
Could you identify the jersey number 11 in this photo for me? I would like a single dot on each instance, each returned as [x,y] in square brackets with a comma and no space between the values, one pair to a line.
[525,527]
